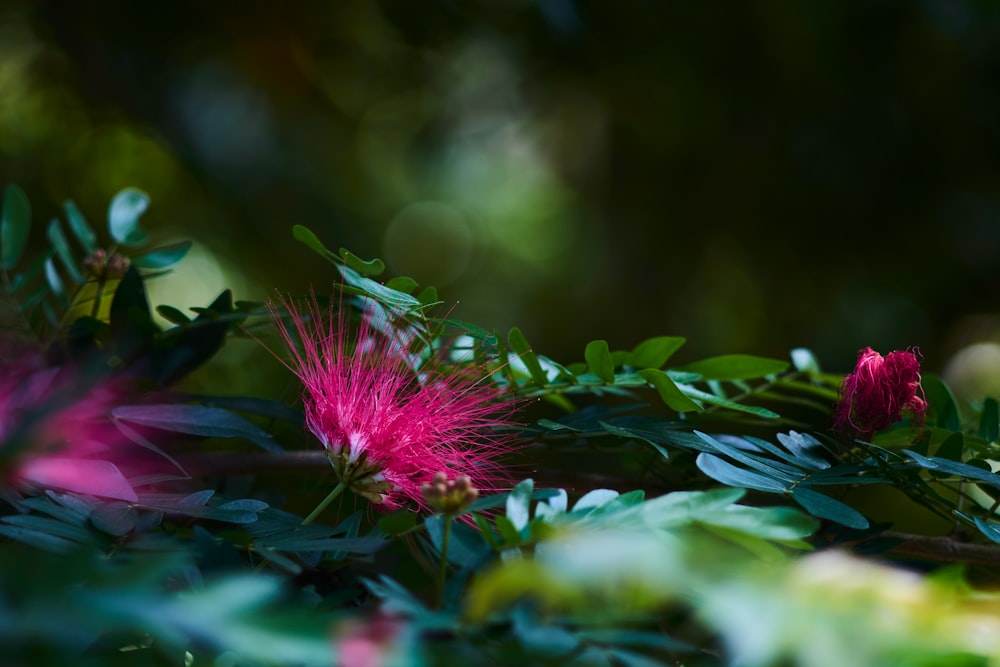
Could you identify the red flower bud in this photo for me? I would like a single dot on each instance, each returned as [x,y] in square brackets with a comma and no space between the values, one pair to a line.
[879,392]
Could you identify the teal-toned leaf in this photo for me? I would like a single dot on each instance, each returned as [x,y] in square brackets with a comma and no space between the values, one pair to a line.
[954,468]
[55,281]
[15,224]
[378,291]
[990,530]
[669,391]
[942,407]
[114,518]
[306,236]
[404,284]
[989,421]
[519,344]
[727,473]
[245,505]
[540,639]
[81,229]
[599,361]
[735,367]
[197,420]
[123,217]
[594,499]
[825,507]
[805,361]
[57,238]
[518,503]
[33,538]
[371,267]
[164,256]
[28,275]
[654,352]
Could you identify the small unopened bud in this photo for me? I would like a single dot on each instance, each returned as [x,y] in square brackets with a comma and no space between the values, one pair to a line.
[117,266]
[449,496]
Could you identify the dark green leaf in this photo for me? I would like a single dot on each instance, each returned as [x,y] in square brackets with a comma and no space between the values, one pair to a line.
[197,420]
[953,447]
[123,217]
[61,246]
[519,344]
[669,391]
[726,403]
[428,295]
[599,361]
[15,226]
[164,256]
[33,538]
[735,367]
[172,315]
[81,229]
[245,505]
[943,408]
[954,468]
[989,422]
[654,352]
[398,522]
[825,507]
[131,324]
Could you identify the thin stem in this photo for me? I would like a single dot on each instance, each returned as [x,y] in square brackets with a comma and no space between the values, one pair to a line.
[443,573]
[337,490]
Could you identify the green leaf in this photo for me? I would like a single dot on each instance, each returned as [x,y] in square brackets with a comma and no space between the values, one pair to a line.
[428,295]
[59,243]
[943,408]
[735,367]
[306,236]
[805,362]
[163,256]
[173,315]
[397,522]
[518,504]
[989,421]
[519,344]
[654,352]
[404,284]
[599,361]
[669,391]
[81,229]
[825,507]
[123,217]
[15,225]
[196,420]
[953,447]
[371,267]
[726,403]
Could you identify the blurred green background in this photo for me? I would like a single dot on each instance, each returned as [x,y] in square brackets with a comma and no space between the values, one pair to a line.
[754,176]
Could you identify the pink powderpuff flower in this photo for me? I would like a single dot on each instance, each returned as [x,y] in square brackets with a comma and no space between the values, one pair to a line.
[879,392]
[54,432]
[387,426]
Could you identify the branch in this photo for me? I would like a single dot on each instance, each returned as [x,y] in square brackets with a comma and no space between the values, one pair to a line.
[944,549]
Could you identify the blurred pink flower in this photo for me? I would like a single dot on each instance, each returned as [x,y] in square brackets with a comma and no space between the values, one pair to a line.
[386,426]
[879,392]
[54,434]
[368,642]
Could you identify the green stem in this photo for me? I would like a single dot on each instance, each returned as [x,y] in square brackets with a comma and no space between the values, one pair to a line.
[443,574]
[337,490]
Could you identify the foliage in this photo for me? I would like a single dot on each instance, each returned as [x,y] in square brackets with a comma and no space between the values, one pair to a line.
[140,525]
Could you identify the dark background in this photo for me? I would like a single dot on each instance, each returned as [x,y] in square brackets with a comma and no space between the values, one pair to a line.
[754,176]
